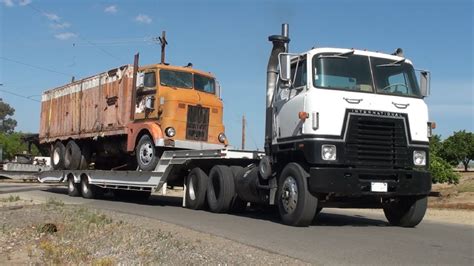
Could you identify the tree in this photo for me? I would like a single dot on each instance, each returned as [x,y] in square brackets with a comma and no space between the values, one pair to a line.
[459,148]
[441,171]
[7,124]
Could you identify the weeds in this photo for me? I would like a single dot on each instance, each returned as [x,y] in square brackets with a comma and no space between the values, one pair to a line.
[53,202]
[11,199]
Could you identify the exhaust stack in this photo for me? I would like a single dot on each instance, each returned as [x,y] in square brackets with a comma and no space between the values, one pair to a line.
[280,45]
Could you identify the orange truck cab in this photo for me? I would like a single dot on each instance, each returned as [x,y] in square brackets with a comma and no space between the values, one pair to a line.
[175,108]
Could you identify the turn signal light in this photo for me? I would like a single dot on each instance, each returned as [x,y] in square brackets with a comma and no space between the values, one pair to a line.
[303,115]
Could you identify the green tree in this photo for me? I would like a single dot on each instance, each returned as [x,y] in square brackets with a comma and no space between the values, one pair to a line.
[458,148]
[12,144]
[436,144]
[7,124]
[441,171]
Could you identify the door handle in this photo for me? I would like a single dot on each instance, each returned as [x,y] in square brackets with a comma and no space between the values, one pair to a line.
[401,105]
[353,101]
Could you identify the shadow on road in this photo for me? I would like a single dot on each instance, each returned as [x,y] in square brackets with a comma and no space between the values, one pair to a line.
[259,213]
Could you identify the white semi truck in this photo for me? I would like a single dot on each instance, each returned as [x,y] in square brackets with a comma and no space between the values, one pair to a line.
[344,128]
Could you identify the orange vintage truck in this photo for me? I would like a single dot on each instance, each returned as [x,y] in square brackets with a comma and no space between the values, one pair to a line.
[129,115]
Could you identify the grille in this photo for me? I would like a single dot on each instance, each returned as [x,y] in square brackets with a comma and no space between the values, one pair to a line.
[376,142]
[197,124]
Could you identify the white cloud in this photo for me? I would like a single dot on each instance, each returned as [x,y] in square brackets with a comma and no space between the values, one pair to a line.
[141,18]
[111,9]
[52,16]
[8,3]
[59,26]
[24,2]
[65,36]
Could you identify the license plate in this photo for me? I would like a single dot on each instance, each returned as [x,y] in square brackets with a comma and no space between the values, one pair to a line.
[378,187]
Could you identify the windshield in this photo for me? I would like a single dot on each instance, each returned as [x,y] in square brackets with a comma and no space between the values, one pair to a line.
[344,73]
[203,83]
[176,79]
[353,73]
[397,78]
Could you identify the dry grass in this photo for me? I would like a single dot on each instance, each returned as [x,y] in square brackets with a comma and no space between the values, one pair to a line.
[11,198]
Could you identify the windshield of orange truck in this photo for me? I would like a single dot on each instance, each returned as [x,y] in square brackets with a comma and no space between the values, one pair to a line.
[176,79]
[203,83]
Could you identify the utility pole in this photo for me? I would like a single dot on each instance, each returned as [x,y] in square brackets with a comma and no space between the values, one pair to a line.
[163,44]
[243,132]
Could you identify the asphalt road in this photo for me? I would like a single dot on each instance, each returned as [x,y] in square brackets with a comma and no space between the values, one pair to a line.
[337,237]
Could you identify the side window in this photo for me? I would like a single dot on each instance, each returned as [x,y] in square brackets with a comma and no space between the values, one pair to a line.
[149,80]
[300,79]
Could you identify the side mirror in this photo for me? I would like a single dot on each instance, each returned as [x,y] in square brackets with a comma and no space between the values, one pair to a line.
[285,68]
[425,79]
[218,89]
[140,80]
[150,102]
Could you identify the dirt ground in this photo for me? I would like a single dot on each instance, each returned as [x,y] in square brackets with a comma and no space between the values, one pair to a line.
[460,196]
[53,233]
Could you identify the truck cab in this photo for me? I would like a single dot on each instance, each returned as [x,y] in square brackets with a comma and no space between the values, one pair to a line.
[176,108]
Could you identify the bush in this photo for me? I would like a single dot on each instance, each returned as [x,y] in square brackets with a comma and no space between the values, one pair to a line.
[442,171]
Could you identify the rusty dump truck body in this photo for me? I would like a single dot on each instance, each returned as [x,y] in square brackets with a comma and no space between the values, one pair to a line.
[93,107]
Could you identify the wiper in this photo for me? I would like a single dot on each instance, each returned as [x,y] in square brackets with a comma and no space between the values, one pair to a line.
[341,55]
[393,64]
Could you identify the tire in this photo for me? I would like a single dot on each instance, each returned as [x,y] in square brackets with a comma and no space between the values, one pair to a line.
[237,205]
[57,156]
[72,156]
[296,205]
[145,151]
[196,186]
[220,189]
[89,191]
[86,155]
[405,211]
[73,189]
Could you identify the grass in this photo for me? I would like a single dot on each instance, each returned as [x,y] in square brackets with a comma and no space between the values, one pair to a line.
[12,198]
[466,187]
[53,202]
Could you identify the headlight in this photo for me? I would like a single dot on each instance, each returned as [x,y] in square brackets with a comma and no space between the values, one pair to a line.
[419,158]
[170,132]
[328,152]
[222,138]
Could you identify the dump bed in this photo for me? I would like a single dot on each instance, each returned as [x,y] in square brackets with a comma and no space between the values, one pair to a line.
[96,106]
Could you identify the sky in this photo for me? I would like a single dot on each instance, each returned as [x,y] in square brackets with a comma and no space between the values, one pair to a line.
[44,42]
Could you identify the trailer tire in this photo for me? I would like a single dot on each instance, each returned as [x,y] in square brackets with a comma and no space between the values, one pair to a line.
[237,204]
[86,155]
[220,189]
[72,156]
[57,156]
[405,211]
[196,186]
[296,205]
[89,191]
[73,189]
[146,153]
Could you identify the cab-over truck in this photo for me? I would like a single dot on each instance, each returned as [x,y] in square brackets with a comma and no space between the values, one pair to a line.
[344,128]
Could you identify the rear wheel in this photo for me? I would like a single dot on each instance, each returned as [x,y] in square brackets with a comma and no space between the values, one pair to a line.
[196,186]
[57,156]
[89,191]
[405,211]
[145,151]
[220,188]
[72,156]
[237,205]
[73,189]
[296,205]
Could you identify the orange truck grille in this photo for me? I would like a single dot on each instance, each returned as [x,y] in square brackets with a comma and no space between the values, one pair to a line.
[197,125]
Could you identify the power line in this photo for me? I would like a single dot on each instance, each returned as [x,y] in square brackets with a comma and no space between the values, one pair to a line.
[21,96]
[37,67]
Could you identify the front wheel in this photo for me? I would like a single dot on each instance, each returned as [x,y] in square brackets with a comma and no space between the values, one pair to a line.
[405,211]
[145,151]
[296,205]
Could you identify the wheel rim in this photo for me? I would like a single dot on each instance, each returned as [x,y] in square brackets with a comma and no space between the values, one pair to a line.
[71,185]
[289,195]
[56,156]
[192,193]
[146,153]
[85,187]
